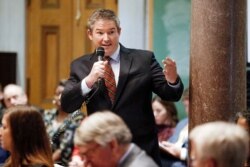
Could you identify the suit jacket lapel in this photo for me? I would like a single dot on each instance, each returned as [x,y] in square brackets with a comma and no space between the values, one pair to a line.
[125,65]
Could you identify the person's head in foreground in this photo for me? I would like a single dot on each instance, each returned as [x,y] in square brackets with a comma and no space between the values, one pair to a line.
[104,139]
[218,144]
[23,134]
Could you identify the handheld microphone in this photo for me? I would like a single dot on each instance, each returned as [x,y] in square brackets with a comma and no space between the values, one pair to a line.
[100,53]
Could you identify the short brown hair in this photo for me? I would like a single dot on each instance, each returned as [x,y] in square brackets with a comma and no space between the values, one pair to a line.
[104,14]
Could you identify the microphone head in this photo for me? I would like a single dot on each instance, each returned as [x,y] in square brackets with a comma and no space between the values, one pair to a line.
[100,51]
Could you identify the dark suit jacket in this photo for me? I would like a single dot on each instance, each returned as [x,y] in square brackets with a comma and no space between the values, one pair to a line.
[137,158]
[140,75]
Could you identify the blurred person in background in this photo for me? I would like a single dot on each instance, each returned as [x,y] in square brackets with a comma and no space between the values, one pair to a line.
[61,127]
[24,135]
[14,95]
[243,119]
[165,114]
[3,153]
[174,151]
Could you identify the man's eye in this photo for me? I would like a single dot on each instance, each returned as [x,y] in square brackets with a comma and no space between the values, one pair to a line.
[15,97]
[111,32]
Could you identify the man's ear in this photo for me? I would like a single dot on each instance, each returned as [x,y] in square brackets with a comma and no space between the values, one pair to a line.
[114,145]
[119,31]
[90,34]
[210,162]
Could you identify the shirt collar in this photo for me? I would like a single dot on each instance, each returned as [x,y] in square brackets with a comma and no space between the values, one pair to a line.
[116,55]
[126,153]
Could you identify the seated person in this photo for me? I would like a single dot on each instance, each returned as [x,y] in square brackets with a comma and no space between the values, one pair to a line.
[14,95]
[174,151]
[218,144]
[24,135]
[165,114]
[104,140]
[243,119]
[61,127]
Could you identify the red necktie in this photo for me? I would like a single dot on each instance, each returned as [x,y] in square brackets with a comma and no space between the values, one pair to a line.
[109,79]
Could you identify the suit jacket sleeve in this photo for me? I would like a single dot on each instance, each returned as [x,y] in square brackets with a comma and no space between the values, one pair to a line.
[72,98]
[160,85]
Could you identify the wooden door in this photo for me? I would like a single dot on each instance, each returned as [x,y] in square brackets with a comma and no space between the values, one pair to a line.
[56,34]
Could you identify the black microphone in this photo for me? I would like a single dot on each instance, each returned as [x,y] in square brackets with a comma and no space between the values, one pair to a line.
[100,53]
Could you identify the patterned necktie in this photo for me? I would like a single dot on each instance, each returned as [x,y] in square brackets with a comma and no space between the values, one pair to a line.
[109,79]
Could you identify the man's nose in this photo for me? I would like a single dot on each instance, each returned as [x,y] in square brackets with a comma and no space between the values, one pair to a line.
[12,101]
[106,37]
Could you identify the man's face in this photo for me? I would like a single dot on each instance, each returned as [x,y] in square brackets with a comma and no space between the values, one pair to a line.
[97,155]
[105,34]
[14,96]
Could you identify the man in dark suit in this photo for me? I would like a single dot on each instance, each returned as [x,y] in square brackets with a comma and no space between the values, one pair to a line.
[137,74]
